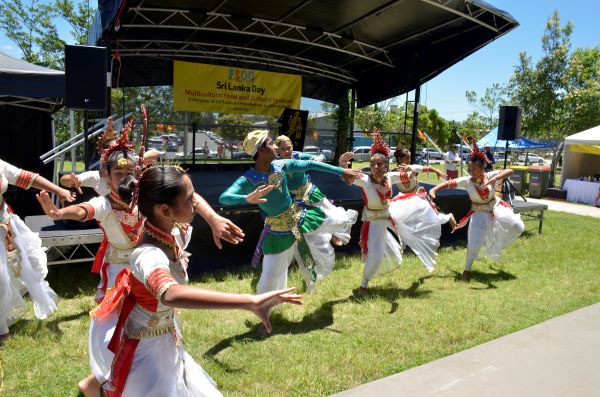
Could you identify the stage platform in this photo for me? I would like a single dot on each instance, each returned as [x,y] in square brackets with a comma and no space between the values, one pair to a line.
[65,244]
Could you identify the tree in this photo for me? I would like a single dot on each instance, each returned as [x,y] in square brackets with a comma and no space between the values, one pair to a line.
[474,126]
[79,19]
[31,28]
[233,127]
[489,104]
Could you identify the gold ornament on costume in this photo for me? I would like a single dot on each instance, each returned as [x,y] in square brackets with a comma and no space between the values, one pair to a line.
[107,135]
[164,164]
[275,180]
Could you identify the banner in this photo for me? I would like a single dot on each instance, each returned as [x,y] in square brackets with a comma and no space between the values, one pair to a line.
[293,124]
[199,87]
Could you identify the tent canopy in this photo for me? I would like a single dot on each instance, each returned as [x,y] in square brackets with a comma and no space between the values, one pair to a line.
[381,48]
[580,156]
[27,85]
[522,143]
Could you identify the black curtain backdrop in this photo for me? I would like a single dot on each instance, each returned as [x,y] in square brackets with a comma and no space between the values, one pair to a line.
[25,135]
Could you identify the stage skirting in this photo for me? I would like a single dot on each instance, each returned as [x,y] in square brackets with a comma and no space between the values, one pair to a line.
[581,191]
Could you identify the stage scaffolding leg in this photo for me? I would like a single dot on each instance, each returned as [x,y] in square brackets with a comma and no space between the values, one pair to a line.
[415,126]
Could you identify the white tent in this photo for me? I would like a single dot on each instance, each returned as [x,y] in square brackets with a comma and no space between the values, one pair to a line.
[581,155]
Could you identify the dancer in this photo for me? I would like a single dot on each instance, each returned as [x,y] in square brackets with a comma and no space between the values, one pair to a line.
[410,185]
[98,179]
[123,226]
[303,233]
[23,262]
[492,222]
[304,192]
[150,358]
[407,216]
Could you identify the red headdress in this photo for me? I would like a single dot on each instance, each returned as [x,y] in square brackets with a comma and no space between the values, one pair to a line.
[121,144]
[106,136]
[478,155]
[379,146]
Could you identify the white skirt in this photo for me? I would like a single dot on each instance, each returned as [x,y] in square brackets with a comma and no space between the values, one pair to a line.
[493,231]
[24,273]
[381,252]
[418,226]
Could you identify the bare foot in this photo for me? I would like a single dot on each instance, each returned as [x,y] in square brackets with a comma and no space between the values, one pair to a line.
[452,222]
[465,276]
[336,242]
[362,291]
[89,386]
[3,338]
[261,331]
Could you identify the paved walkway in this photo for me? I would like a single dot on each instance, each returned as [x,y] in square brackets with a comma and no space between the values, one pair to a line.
[571,208]
[559,357]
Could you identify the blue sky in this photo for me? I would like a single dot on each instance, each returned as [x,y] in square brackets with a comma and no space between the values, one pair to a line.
[492,64]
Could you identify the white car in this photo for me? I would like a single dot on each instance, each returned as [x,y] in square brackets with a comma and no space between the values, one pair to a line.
[531,160]
[361,153]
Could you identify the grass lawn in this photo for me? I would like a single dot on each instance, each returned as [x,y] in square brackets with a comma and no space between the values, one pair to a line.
[335,341]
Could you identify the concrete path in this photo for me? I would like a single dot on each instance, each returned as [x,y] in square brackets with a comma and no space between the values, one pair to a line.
[571,208]
[559,357]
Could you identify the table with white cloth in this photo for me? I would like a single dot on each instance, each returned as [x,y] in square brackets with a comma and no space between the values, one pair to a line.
[581,191]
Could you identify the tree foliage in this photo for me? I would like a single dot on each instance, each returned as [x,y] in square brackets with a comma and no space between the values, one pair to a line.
[233,127]
[487,105]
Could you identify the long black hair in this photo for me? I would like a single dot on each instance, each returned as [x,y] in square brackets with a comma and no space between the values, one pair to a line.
[159,185]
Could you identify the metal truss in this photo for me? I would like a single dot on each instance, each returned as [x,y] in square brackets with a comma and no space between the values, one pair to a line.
[258,28]
[475,13]
[188,49]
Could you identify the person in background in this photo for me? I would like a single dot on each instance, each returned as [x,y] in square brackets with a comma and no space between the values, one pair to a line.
[452,159]
[488,153]
[597,198]
[221,151]
[205,150]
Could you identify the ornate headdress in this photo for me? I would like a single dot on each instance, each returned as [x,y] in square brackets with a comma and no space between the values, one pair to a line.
[379,146]
[121,144]
[107,135]
[477,154]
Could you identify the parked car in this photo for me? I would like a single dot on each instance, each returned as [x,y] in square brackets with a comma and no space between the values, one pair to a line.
[361,153]
[328,154]
[240,156]
[199,154]
[312,150]
[172,138]
[433,154]
[531,160]
[162,146]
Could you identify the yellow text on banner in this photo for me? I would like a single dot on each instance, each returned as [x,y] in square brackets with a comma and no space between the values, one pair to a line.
[199,87]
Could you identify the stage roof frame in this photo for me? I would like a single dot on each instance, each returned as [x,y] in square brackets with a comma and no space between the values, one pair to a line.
[381,48]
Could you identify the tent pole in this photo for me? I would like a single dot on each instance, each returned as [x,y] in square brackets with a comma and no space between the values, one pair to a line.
[72,131]
[415,126]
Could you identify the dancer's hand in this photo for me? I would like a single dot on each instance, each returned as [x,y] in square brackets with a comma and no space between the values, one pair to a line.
[262,304]
[402,168]
[432,194]
[223,229]
[65,195]
[349,175]
[256,196]
[47,205]
[75,182]
[344,159]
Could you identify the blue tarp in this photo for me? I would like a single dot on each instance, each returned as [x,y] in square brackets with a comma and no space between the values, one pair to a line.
[523,143]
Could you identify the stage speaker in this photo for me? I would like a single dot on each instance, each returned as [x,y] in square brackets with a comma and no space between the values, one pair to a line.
[85,77]
[509,124]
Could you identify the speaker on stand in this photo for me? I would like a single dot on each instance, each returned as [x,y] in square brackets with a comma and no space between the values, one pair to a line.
[509,129]
[86,83]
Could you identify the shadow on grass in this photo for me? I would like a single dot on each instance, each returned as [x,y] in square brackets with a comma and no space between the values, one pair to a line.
[321,318]
[32,328]
[72,280]
[392,294]
[487,279]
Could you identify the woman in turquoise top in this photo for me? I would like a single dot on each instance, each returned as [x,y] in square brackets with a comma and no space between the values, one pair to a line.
[294,231]
[306,193]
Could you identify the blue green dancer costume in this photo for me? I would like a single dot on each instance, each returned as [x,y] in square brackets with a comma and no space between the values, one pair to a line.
[294,230]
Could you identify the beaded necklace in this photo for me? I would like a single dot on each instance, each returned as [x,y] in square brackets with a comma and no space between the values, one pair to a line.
[162,236]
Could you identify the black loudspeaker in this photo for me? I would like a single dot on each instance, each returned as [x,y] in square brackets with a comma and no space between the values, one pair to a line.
[293,124]
[85,77]
[509,123]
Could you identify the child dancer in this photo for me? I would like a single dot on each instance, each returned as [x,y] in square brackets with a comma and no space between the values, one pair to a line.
[492,222]
[410,185]
[407,216]
[150,358]
[22,259]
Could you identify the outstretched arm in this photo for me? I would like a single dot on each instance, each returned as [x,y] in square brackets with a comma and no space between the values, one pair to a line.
[439,173]
[222,228]
[243,192]
[74,212]
[186,297]
[43,184]
[500,176]
[348,175]
[435,189]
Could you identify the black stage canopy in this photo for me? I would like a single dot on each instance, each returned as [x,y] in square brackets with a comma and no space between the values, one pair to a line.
[30,86]
[381,48]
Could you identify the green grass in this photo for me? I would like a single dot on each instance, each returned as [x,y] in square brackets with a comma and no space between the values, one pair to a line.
[335,341]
